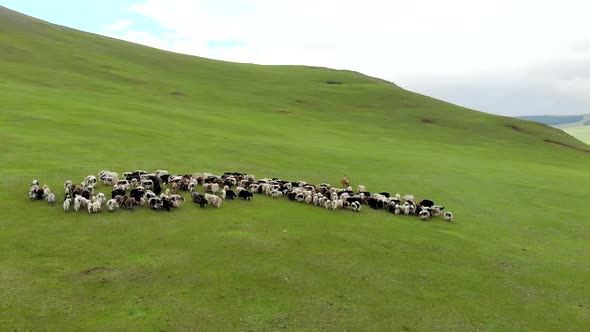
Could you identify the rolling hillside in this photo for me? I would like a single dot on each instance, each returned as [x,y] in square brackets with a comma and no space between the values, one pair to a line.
[580,132]
[517,256]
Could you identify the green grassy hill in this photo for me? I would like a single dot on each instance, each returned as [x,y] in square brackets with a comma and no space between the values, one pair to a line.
[517,256]
[581,132]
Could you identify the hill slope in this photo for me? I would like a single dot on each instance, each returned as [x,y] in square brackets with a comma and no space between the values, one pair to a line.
[576,125]
[581,132]
[73,103]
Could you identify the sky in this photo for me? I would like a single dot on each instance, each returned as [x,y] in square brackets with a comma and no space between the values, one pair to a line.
[507,57]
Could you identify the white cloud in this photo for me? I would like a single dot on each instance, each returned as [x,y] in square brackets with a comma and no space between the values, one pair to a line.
[417,44]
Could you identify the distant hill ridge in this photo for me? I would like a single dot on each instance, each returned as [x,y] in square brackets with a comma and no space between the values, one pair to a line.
[559,121]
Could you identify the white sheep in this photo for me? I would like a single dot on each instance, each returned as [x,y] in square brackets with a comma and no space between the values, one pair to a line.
[101,198]
[67,186]
[67,203]
[80,202]
[112,204]
[211,187]
[33,192]
[46,191]
[448,216]
[223,194]
[176,200]
[424,215]
[77,204]
[51,198]
[95,207]
[436,210]
[334,204]
[334,196]
[90,180]
[406,209]
[253,188]
[361,188]
[213,200]
[123,184]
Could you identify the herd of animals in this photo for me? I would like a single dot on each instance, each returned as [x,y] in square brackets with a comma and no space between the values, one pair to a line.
[160,191]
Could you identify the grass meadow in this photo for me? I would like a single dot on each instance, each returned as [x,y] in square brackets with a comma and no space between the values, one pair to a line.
[582,133]
[516,257]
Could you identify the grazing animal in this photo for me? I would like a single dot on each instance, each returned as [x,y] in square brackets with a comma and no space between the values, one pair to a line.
[448,216]
[77,203]
[130,202]
[211,187]
[345,181]
[356,206]
[123,184]
[95,206]
[213,200]
[426,203]
[112,205]
[67,203]
[246,195]
[334,205]
[155,203]
[67,186]
[101,198]
[80,202]
[424,215]
[406,209]
[230,194]
[137,193]
[176,200]
[120,199]
[361,188]
[51,198]
[117,192]
[199,199]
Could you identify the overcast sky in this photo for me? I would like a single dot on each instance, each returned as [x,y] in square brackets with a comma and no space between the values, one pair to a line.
[509,57]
